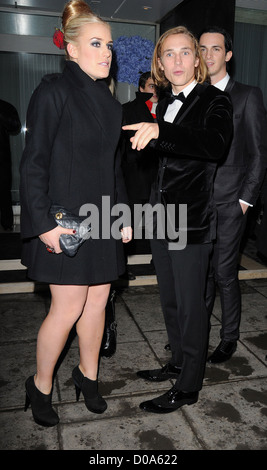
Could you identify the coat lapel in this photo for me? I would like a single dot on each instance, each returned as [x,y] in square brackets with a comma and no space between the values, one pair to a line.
[191,99]
[141,107]
[107,110]
[229,85]
[161,108]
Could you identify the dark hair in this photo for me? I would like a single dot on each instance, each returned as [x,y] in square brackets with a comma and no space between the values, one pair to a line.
[143,79]
[228,43]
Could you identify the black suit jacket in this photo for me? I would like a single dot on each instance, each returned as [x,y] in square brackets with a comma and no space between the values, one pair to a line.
[189,150]
[240,174]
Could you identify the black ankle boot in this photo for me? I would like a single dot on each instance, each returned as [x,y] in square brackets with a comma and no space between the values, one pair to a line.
[42,410]
[93,401]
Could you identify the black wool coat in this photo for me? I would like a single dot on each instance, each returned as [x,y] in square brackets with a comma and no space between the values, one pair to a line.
[73,129]
[189,150]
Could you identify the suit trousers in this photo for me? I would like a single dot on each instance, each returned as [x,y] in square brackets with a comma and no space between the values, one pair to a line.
[182,276]
[224,268]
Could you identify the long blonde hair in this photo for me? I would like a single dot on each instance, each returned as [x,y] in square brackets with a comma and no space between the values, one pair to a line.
[76,14]
[201,71]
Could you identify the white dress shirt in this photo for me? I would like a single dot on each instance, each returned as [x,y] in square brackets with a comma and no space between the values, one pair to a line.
[223,82]
[174,107]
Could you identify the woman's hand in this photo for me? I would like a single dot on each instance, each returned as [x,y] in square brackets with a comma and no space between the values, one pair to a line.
[126,234]
[51,238]
[146,131]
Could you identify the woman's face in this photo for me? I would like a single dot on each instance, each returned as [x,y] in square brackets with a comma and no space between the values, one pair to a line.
[93,50]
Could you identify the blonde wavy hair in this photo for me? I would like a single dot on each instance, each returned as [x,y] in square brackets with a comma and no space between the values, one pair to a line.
[201,71]
[76,14]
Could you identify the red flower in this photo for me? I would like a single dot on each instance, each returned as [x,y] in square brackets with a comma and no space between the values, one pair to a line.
[58,39]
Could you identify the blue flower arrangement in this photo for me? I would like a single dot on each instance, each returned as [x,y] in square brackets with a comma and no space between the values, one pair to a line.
[131,57]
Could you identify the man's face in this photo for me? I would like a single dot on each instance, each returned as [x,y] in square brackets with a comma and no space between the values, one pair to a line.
[213,51]
[178,61]
[150,88]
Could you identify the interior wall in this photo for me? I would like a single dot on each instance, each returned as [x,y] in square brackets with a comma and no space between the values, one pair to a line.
[196,15]
[248,29]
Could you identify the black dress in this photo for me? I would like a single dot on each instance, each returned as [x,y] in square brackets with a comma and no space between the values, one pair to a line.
[73,129]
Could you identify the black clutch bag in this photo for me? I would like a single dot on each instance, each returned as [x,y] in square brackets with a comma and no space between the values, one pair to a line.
[70,243]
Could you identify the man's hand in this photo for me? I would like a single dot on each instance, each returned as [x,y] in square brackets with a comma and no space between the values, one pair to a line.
[146,131]
[244,207]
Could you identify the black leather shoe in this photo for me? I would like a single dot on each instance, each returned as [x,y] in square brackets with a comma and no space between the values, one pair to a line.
[159,375]
[223,352]
[169,401]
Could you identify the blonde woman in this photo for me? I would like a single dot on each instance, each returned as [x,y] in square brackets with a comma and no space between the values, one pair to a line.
[73,127]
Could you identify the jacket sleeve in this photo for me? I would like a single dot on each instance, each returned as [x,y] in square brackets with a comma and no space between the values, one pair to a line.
[207,138]
[255,133]
[42,123]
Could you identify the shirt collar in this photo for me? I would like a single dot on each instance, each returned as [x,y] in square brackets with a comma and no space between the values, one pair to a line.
[188,89]
[223,82]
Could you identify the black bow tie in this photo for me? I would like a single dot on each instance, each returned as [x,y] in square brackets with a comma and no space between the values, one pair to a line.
[172,98]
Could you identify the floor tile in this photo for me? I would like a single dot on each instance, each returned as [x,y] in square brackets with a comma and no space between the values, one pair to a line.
[231,416]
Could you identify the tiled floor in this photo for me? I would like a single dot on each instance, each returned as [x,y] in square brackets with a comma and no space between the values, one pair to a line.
[232,407]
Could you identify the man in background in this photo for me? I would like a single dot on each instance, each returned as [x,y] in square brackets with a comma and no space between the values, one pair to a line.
[236,187]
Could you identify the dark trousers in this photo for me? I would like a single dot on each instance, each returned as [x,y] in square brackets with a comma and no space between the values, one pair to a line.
[224,268]
[182,278]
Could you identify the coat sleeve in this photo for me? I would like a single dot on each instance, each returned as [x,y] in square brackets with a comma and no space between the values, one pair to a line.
[207,137]
[255,133]
[42,123]
[121,196]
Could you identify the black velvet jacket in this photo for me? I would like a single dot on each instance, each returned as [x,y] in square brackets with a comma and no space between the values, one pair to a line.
[189,150]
